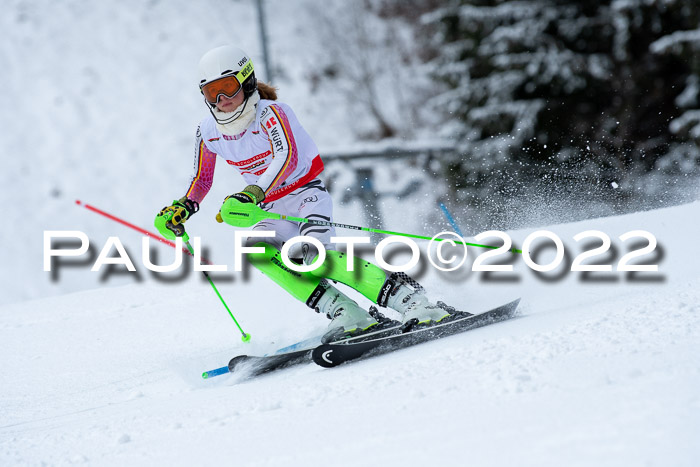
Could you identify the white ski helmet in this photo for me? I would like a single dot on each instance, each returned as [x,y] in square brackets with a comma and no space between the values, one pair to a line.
[223,62]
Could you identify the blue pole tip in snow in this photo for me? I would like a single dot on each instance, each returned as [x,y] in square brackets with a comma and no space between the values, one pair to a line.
[451,219]
[211,373]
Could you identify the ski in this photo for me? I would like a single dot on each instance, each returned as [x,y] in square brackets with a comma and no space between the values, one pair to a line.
[306,344]
[252,365]
[287,356]
[294,354]
[330,355]
[284,357]
[384,340]
[255,366]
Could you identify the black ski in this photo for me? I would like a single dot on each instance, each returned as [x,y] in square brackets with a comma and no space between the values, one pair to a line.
[254,366]
[330,355]
[257,365]
[384,340]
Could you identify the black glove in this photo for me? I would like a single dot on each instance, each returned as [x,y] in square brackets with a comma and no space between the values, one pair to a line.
[176,214]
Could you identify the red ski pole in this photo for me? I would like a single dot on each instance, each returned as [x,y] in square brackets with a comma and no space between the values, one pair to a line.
[132,226]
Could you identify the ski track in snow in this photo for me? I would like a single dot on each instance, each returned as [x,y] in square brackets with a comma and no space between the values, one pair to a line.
[602,374]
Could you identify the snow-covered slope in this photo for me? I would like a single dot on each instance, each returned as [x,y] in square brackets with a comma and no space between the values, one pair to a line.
[590,373]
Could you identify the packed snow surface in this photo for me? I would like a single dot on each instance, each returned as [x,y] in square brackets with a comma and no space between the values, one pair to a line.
[601,370]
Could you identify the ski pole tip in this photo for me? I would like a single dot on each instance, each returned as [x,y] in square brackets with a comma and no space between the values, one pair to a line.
[205,375]
[245,337]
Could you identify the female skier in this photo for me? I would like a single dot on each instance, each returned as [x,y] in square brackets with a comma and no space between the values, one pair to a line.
[279,161]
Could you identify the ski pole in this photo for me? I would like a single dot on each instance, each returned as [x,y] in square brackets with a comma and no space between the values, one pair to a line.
[245,337]
[145,232]
[189,251]
[249,214]
[451,219]
[127,224]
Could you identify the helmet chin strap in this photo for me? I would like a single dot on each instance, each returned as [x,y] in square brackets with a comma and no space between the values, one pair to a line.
[234,123]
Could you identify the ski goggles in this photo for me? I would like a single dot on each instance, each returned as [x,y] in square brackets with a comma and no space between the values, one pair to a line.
[228,86]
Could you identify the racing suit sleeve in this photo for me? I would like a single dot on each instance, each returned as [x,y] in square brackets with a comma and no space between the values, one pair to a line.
[204,164]
[276,126]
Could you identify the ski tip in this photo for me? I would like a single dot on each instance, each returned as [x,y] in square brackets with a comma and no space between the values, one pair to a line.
[235,361]
[323,356]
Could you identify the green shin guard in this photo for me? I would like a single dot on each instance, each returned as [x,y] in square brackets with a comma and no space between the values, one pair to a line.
[366,278]
[301,285]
